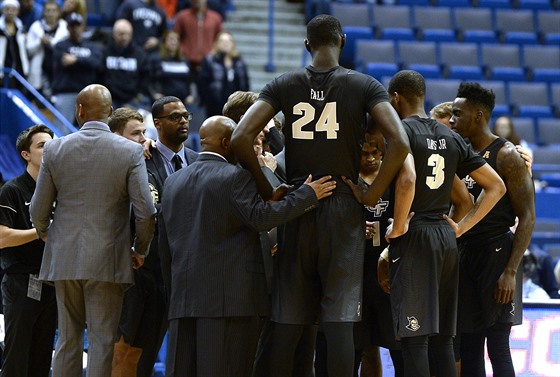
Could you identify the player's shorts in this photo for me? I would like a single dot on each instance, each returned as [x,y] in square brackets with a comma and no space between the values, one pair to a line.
[376,327]
[319,264]
[424,266]
[482,262]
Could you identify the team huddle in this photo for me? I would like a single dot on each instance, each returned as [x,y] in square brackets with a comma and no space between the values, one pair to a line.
[431,285]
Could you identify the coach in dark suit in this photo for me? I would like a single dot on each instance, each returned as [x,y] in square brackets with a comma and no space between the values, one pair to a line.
[212,264]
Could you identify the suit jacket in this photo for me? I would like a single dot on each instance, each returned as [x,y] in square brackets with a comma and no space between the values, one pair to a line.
[156,178]
[93,176]
[209,242]
[156,169]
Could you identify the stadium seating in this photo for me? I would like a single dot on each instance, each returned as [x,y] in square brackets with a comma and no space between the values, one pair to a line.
[433,24]
[502,62]
[393,22]
[549,131]
[542,62]
[376,52]
[461,61]
[421,57]
[530,99]
[353,34]
[474,25]
[548,27]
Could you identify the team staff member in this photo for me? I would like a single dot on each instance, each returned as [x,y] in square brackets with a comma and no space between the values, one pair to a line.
[95,177]
[212,260]
[319,264]
[29,305]
[490,287]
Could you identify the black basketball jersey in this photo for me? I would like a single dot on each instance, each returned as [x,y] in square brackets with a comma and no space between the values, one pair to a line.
[380,215]
[501,217]
[439,154]
[324,117]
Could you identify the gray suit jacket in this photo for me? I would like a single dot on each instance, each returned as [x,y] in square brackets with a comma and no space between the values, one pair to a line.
[209,243]
[93,176]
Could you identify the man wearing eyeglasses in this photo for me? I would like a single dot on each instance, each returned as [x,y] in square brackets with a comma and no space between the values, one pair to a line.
[171,120]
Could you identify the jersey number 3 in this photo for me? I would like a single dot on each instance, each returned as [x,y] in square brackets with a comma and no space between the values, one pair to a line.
[326,123]
[435,180]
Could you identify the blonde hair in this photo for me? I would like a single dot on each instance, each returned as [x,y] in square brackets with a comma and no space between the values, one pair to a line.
[443,110]
[234,53]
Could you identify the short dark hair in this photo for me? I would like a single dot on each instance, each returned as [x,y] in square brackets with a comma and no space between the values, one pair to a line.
[157,106]
[238,103]
[409,84]
[121,116]
[324,30]
[23,142]
[474,93]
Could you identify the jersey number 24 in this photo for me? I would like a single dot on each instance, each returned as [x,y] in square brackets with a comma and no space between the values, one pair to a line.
[326,123]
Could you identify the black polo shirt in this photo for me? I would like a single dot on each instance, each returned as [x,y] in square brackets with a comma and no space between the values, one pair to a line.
[15,197]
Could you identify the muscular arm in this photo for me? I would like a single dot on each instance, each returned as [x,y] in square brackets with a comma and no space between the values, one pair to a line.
[396,150]
[15,237]
[493,189]
[253,122]
[404,195]
[521,191]
[461,200]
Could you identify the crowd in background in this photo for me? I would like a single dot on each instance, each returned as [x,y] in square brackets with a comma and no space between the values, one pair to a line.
[179,46]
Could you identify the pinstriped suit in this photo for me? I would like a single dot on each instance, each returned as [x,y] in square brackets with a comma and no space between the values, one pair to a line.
[94,176]
[212,263]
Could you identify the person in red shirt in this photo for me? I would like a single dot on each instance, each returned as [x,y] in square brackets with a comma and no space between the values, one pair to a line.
[198,28]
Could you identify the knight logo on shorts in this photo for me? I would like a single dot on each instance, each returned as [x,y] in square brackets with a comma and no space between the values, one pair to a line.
[512,312]
[412,324]
[359,310]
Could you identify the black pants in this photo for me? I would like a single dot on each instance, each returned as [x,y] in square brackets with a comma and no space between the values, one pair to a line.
[210,347]
[30,328]
[143,321]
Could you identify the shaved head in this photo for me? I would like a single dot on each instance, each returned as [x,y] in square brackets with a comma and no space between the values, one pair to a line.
[215,135]
[94,103]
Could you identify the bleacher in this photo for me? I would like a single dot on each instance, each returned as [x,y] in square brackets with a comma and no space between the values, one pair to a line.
[512,47]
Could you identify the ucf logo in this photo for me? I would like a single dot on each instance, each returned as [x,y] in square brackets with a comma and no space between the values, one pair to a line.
[155,194]
[379,208]
[412,324]
[317,95]
[469,182]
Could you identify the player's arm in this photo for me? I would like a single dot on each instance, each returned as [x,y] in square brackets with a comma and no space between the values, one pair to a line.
[493,189]
[242,139]
[461,199]
[396,150]
[404,195]
[15,237]
[521,191]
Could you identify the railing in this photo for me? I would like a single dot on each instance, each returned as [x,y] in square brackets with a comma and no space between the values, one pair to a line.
[269,67]
[63,124]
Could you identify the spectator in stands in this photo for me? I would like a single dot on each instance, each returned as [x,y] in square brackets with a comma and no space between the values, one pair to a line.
[169,7]
[126,71]
[220,6]
[171,74]
[74,6]
[543,275]
[503,127]
[12,39]
[41,38]
[29,12]
[29,305]
[530,289]
[76,65]
[148,21]
[223,72]
[198,28]
[442,112]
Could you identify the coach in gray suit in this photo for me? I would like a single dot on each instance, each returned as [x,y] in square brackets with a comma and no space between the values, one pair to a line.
[93,176]
[212,263]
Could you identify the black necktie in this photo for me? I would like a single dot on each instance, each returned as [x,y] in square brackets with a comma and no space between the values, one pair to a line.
[177,162]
